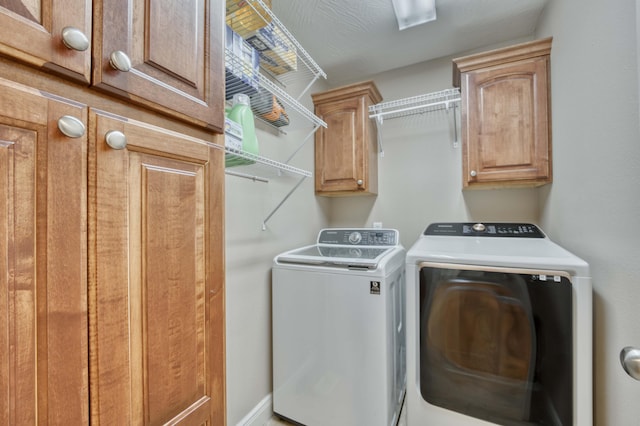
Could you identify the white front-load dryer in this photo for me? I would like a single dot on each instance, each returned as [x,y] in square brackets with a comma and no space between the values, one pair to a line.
[499,328]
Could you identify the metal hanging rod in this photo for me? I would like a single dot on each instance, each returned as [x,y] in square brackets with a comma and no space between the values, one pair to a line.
[246,176]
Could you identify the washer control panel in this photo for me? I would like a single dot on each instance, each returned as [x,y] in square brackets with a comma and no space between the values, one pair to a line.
[519,230]
[359,237]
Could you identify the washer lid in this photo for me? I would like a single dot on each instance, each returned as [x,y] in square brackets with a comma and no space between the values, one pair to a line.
[335,255]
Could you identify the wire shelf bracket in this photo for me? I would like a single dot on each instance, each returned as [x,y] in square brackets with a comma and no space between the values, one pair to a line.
[262,165]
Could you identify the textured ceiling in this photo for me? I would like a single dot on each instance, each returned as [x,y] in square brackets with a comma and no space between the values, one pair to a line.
[352,39]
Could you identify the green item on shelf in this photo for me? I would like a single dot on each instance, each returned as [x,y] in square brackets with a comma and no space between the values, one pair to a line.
[241,113]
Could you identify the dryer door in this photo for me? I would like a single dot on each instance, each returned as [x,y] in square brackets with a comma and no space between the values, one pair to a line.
[485,341]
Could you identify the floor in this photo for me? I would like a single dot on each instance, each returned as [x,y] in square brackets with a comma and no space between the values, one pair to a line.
[278,422]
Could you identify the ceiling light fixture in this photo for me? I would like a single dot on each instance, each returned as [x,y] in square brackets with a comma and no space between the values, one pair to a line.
[414,12]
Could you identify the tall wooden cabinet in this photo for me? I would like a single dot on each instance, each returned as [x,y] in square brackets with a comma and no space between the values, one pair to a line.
[346,151]
[112,289]
[506,116]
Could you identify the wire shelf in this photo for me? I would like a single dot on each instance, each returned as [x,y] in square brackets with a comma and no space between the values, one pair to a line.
[296,65]
[420,104]
[258,166]
[290,101]
[269,101]
[307,68]
[265,81]
[283,63]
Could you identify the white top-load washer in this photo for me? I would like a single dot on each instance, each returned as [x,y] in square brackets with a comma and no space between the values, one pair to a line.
[338,329]
[499,328]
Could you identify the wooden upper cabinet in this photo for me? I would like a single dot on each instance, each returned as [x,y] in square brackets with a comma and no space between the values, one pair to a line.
[506,121]
[32,31]
[157,273]
[174,52]
[173,49]
[346,152]
[43,246]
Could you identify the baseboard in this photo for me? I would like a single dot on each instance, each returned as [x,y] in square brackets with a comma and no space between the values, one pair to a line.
[260,414]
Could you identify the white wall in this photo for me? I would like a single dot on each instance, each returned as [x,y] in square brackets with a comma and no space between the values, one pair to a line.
[249,253]
[593,206]
[420,175]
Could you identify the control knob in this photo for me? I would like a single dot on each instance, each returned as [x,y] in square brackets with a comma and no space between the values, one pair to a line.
[479,227]
[355,237]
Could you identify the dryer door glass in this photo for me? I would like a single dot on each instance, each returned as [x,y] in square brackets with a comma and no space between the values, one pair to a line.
[497,344]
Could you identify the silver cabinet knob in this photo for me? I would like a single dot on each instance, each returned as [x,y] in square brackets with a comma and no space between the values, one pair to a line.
[116,139]
[473,173]
[630,360]
[120,61]
[360,182]
[75,39]
[71,126]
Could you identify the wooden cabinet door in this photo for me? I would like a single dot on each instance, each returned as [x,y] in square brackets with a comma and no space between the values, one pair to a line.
[176,54]
[346,161]
[31,31]
[340,151]
[507,136]
[43,297]
[156,277]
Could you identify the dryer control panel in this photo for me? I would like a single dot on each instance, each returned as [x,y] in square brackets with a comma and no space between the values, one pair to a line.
[359,237]
[519,230]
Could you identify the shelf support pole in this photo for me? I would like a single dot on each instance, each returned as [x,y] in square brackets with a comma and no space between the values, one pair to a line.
[303,143]
[456,141]
[264,222]
[315,78]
